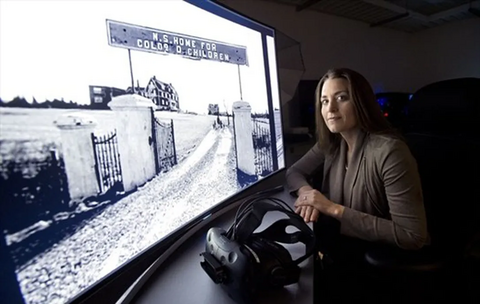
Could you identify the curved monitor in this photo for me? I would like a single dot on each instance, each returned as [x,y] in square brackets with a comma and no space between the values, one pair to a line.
[121,121]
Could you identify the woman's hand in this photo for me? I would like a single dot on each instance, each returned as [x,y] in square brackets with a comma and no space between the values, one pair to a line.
[316,200]
[308,213]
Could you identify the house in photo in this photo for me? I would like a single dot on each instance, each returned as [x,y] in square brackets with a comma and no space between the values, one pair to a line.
[162,94]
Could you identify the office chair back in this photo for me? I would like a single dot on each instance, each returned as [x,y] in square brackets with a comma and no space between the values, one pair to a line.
[444,120]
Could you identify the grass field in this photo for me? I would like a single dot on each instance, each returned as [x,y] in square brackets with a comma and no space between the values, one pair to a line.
[32,131]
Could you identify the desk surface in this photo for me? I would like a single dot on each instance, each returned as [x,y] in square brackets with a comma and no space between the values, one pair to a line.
[181,279]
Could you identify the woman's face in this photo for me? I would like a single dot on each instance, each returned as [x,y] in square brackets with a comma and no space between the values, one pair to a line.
[337,107]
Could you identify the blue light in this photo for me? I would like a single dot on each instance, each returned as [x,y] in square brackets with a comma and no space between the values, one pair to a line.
[382,101]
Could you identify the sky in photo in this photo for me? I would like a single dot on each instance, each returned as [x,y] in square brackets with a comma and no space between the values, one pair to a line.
[59,52]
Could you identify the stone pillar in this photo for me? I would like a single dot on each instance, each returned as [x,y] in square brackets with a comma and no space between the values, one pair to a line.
[242,115]
[77,151]
[133,116]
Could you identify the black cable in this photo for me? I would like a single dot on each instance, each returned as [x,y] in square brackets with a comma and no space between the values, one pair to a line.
[235,221]
[238,216]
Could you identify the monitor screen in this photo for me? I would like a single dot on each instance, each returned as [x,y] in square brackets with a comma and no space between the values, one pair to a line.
[120,122]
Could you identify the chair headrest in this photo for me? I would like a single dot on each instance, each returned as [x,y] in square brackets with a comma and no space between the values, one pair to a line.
[449,107]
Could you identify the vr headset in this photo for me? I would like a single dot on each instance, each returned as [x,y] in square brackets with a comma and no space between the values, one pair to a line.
[244,262]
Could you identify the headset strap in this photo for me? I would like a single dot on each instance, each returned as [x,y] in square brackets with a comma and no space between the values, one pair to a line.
[276,231]
[252,219]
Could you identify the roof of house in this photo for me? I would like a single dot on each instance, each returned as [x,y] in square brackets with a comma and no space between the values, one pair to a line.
[160,84]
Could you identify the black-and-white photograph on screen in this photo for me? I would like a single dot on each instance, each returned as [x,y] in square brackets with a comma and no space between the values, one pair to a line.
[120,122]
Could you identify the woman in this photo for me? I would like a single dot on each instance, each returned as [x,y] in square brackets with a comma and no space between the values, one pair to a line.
[371,186]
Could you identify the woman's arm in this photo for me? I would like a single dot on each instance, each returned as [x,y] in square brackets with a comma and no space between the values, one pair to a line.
[407,228]
[298,174]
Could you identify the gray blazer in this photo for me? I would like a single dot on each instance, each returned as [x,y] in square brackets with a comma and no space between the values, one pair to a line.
[381,190]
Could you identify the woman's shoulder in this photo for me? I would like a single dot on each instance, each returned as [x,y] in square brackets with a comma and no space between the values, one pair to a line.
[383,145]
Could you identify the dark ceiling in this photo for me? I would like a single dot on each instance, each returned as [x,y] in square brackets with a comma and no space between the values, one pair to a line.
[403,15]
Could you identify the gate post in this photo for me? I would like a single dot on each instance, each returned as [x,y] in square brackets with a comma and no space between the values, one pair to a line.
[175,162]
[243,130]
[133,118]
[77,151]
